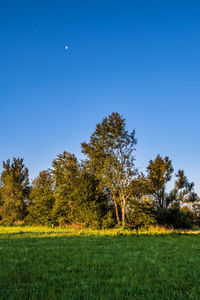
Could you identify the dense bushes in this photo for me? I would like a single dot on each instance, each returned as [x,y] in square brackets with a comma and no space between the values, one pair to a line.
[175,217]
[141,214]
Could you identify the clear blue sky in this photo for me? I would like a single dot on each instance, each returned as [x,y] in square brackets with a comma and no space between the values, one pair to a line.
[138,58]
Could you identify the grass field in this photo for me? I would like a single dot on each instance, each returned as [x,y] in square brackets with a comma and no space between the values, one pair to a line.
[43,263]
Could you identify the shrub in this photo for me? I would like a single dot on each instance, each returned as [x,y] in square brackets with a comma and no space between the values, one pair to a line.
[141,214]
[174,217]
[108,221]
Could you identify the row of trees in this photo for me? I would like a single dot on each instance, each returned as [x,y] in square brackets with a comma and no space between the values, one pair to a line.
[101,191]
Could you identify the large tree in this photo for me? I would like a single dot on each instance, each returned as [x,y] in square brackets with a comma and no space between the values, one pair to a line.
[159,173]
[78,195]
[110,156]
[14,190]
[41,199]
[89,204]
[65,174]
[182,193]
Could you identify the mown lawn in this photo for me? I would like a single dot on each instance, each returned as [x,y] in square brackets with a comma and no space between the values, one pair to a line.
[41,266]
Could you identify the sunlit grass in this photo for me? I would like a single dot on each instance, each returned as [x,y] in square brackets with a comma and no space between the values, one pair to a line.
[70,231]
[64,263]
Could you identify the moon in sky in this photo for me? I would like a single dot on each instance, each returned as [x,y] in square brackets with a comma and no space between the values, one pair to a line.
[66,47]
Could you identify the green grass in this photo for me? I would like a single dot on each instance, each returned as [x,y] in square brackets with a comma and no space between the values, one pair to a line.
[42,263]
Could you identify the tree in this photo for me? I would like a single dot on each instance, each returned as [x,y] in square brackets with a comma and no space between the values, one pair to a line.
[183,190]
[41,199]
[78,195]
[159,172]
[139,188]
[1,200]
[65,174]
[196,212]
[141,213]
[14,190]
[110,156]
[89,205]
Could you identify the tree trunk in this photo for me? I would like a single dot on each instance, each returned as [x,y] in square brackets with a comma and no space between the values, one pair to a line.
[123,211]
[116,212]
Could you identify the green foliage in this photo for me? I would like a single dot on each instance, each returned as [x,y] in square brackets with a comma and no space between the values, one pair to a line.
[183,190]
[159,172]
[65,174]
[174,217]
[196,213]
[141,214]
[192,212]
[102,190]
[108,221]
[139,188]
[1,200]
[89,204]
[41,200]
[78,197]
[110,157]
[14,191]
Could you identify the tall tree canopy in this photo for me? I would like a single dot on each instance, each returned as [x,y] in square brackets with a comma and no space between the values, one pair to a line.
[78,196]
[65,174]
[183,191]
[41,199]
[110,156]
[14,190]
[102,190]
[89,205]
[159,173]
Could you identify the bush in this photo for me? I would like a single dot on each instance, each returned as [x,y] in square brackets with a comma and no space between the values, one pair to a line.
[108,221]
[141,214]
[174,217]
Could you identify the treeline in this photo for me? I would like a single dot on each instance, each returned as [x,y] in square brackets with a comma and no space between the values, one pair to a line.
[102,191]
